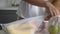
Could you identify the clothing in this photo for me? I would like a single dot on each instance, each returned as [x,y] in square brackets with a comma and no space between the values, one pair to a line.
[27,10]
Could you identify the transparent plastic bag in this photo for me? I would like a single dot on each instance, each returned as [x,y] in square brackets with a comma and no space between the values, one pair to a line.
[34,22]
[54,25]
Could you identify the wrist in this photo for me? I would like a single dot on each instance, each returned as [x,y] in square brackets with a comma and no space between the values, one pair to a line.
[47,4]
[44,4]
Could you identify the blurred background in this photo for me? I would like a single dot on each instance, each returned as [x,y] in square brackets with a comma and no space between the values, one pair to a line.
[8,10]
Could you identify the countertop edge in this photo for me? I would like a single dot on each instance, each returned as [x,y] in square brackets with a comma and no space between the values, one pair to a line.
[9,8]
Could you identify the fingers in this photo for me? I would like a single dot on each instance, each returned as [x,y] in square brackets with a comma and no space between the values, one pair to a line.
[56,11]
[53,10]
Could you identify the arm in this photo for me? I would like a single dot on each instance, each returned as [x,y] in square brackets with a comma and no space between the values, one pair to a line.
[36,2]
[53,10]
[57,3]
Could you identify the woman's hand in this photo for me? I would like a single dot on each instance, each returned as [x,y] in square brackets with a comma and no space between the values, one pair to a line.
[53,10]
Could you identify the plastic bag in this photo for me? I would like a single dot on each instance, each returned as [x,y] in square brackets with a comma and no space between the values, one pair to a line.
[25,26]
[54,25]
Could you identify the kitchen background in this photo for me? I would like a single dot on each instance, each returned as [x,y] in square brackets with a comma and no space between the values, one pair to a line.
[8,10]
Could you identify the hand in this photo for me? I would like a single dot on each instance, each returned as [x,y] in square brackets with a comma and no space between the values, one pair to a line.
[53,10]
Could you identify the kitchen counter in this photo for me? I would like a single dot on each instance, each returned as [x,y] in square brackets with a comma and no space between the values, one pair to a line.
[2,32]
